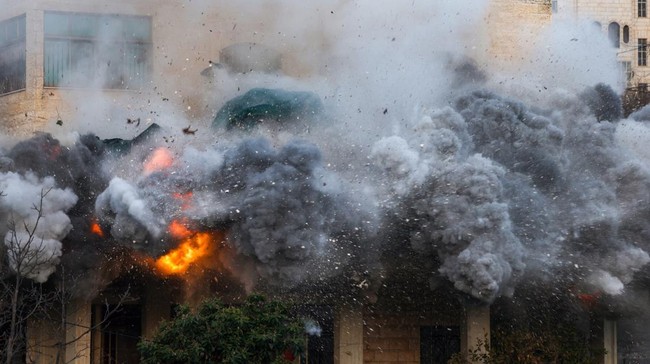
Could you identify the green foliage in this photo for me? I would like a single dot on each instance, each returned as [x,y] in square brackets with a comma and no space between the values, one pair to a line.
[257,332]
[562,344]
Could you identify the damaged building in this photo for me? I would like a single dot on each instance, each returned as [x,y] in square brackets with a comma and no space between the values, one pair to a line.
[209,159]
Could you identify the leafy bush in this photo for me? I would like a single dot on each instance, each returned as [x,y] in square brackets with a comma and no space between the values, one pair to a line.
[562,344]
[257,332]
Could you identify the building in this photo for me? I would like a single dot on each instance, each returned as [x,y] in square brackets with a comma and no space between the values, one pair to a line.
[626,25]
[529,17]
[136,51]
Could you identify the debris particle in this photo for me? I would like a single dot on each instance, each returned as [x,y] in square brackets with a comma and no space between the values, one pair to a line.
[189,131]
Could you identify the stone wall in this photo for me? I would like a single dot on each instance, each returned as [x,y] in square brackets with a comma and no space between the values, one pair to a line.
[623,12]
[514,27]
[395,337]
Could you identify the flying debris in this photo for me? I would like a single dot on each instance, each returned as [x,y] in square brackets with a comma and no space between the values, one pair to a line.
[261,104]
[133,121]
[189,131]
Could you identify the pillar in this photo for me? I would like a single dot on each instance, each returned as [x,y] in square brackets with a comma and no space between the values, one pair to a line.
[42,341]
[610,342]
[475,329]
[348,336]
[77,333]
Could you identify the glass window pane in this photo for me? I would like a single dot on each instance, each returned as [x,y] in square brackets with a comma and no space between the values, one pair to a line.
[110,51]
[12,30]
[21,27]
[56,24]
[84,26]
[3,35]
[55,62]
[12,54]
[111,28]
[83,64]
[138,29]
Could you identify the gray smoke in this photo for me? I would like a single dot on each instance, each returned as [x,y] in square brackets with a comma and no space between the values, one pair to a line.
[489,189]
[497,189]
[279,207]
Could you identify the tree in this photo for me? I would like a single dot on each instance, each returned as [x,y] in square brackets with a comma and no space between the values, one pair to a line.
[257,332]
[26,257]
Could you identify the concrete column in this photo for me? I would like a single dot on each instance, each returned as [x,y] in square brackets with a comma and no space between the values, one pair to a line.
[348,336]
[77,333]
[475,329]
[610,342]
[42,341]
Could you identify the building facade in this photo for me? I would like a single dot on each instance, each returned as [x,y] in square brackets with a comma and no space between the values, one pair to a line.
[627,26]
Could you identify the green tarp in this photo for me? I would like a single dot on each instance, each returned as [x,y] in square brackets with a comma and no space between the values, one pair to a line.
[260,104]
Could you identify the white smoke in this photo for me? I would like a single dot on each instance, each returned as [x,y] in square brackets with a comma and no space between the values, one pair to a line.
[122,204]
[606,282]
[35,210]
[312,328]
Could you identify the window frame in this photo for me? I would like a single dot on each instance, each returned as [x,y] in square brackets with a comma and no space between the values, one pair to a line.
[15,50]
[109,40]
[642,8]
[642,52]
[614,34]
[627,72]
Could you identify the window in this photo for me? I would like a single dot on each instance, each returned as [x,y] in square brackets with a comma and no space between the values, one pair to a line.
[626,71]
[12,54]
[642,52]
[115,337]
[320,346]
[626,34]
[614,34]
[554,6]
[642,8]
[438,343]
[92,50]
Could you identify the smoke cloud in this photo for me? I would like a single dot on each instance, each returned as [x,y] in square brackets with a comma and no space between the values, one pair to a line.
[418,135]
[35,212]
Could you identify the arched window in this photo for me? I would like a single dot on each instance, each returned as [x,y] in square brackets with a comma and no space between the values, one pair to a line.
[597,25]
[614,33]
[626,34]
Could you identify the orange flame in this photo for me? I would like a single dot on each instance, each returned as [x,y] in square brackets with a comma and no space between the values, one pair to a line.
[185,199]
[194,246]
[179,231]
[96,229]
[159,160]
[590,301]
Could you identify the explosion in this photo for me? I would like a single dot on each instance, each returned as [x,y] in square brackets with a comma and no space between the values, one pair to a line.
[161,159]
[96,229]
[336,177]
[193,247]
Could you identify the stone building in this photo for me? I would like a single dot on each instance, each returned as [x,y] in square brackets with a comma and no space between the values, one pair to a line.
[528,17]
[627,26]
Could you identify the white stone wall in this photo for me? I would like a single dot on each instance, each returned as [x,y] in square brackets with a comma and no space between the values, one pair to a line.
[623,12]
